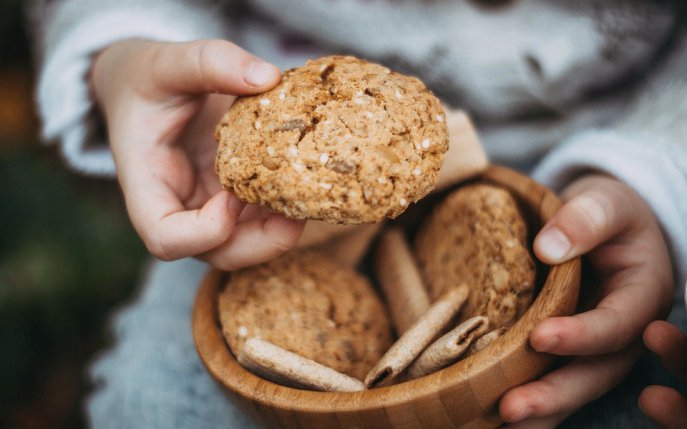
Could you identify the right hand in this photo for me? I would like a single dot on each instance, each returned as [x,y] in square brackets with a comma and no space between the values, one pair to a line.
[161,102]
[665,405]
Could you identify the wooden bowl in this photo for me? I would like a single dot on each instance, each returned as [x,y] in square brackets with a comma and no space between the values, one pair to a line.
[464,395]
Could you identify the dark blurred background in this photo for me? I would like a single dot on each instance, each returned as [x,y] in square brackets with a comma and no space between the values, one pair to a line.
[68,256]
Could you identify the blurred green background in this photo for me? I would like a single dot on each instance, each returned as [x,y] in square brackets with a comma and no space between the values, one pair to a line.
[68,256]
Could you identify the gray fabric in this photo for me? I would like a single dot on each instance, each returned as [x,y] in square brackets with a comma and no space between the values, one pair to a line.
[153,377]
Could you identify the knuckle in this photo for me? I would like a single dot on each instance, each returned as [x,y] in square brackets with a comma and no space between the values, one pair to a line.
[620,331]
[213,46]
[282,244]
[542,397]
[209,54]
[199,57]
[155,57]
[222,230]
[205,52]
[281,237]
[156,248]
[591,212]
[576,329]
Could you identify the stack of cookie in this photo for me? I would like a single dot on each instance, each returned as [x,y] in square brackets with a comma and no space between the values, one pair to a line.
[346,142]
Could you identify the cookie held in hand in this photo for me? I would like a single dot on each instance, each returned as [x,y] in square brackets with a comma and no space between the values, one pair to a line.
[339,139]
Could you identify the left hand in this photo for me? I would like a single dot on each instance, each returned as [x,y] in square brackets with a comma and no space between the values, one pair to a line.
[616,229]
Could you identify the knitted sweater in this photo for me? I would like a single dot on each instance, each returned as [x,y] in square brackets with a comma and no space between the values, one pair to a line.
[563,87]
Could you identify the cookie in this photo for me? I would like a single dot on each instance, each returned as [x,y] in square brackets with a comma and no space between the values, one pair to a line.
[339,139]
[307,304]
[478,236]
[404,351]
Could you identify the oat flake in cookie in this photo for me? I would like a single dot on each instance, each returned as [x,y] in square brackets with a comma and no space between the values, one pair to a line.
[478,236]
[309,305]
[339,139]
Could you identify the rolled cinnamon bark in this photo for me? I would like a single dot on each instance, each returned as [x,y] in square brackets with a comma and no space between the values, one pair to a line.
[417,337]
[284,367]
[485,340]
[400,280]
[449,348]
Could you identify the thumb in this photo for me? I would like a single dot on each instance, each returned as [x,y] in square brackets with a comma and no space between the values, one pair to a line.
[210,66]
[598,209]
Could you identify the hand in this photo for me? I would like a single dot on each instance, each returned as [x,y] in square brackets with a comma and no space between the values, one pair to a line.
[161,102]
[665,406]
[616,228]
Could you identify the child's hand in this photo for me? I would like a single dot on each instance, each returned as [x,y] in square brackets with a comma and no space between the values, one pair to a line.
[665,406]
[161,102]
[607,219]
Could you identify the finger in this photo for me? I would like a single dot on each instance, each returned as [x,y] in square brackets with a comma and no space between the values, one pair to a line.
[670,345]
[617,320]
[207,185]
[665,406]
[255,242]
[591,217]
[548,422]
[253,212]
[170,232]
[201,145]
[568,388]
[154,202]
[210,66]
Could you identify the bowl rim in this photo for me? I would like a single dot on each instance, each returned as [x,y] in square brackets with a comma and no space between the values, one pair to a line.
[554,299]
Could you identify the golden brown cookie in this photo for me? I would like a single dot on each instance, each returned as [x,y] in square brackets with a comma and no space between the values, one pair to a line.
[477,236]
[307,304]
[339,139]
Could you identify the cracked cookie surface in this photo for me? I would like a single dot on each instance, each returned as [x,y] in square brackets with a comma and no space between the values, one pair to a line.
[307,304]
[339,139]
[478,236]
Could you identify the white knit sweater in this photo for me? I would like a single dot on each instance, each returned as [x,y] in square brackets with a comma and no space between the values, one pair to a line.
[588,85]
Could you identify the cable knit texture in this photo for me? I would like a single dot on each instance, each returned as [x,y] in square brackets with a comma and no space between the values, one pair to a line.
[77,29]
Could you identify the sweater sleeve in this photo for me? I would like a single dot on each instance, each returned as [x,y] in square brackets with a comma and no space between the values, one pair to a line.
[646,148]
[68,32]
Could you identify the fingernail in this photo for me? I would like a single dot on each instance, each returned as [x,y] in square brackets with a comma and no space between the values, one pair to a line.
[553,244]
[260,73]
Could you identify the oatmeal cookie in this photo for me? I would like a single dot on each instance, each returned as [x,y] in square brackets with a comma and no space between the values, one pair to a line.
[339,139]
[307,304]
[478,236]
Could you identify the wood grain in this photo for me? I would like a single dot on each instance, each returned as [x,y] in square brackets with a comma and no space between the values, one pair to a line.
[464,395]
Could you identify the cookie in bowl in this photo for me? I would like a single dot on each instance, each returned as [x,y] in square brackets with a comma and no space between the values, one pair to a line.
[306,304]
[477,236]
